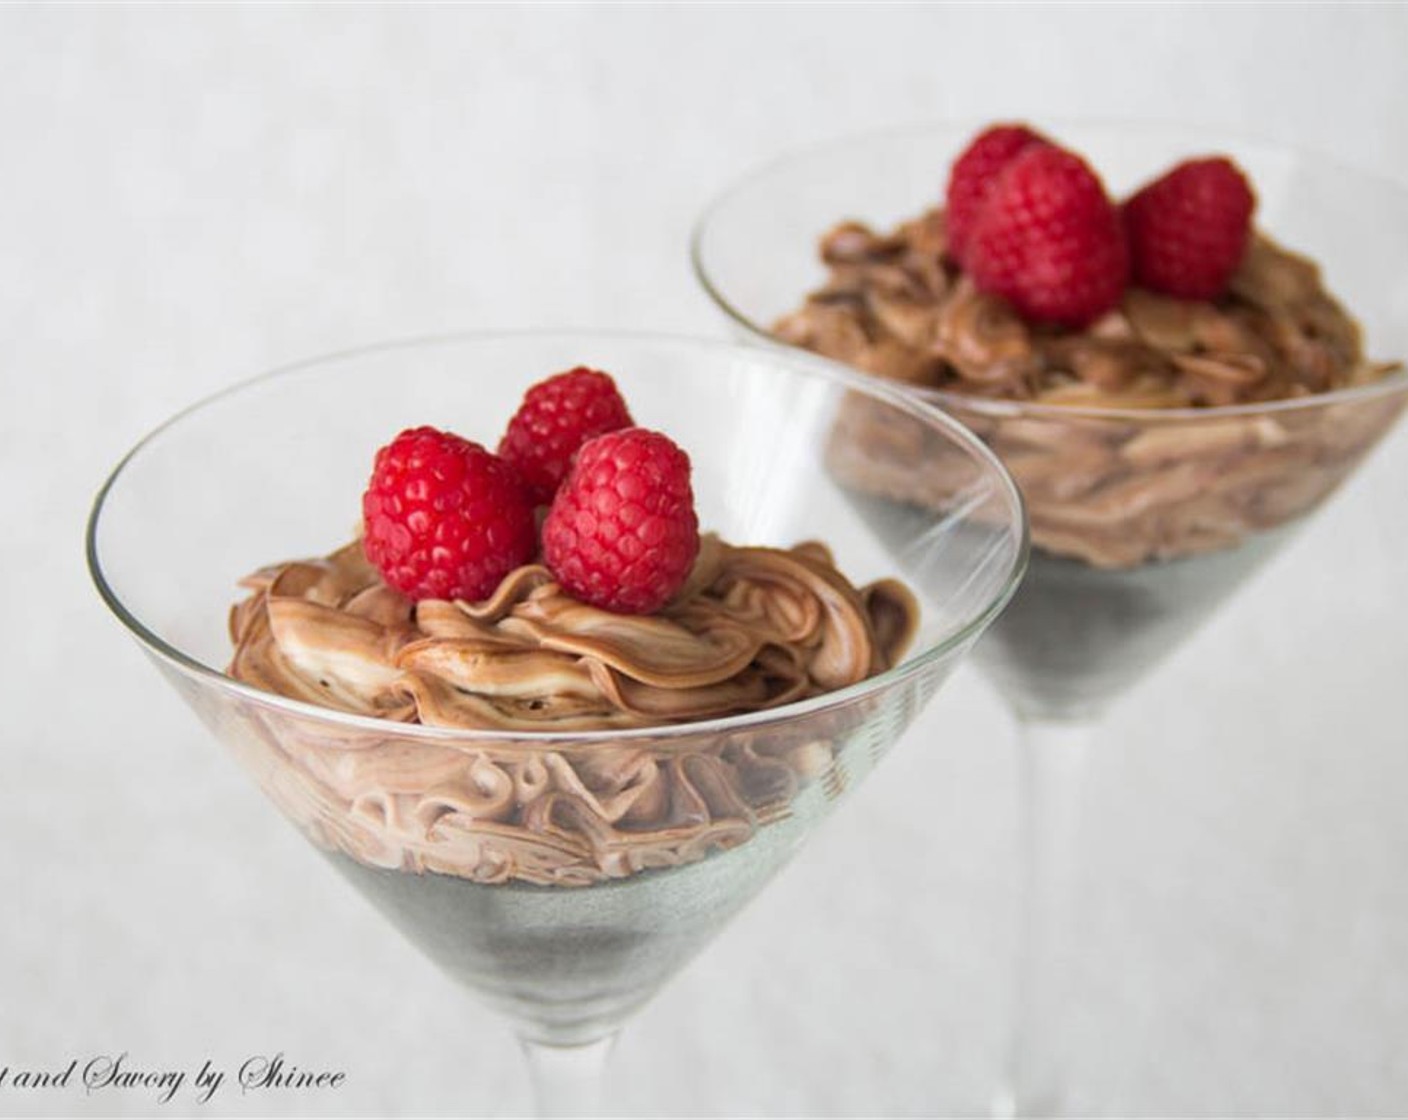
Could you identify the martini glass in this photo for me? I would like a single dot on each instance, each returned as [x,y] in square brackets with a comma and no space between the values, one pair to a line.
[1143,522]
[664,832]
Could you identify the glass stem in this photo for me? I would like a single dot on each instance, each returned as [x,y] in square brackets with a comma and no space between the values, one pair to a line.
[1052,776]
[567,1080]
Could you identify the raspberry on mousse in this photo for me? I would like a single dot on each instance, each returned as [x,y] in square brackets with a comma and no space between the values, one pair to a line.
[556,417]
[622,532]
[973,175]
[1189,229]
[1049,240]
[444,518]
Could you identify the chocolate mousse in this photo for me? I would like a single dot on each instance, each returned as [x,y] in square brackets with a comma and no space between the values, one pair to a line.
[1114,491]
[752,629]
[1165,444]
[531,673]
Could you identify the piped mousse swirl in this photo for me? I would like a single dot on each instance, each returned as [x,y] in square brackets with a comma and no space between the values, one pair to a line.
[752,629]
[1132,454]
[895,306]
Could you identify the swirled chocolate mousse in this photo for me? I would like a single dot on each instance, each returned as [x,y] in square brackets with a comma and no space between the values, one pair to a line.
[1155,375]
[754,628]
[1030,286]
[628,620]
[897,306]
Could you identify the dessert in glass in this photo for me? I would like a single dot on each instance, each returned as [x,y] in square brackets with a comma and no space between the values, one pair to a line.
[559,763]
[1175,382]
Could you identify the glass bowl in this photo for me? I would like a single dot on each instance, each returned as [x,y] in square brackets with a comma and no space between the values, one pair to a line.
[1144,520]
[561,875]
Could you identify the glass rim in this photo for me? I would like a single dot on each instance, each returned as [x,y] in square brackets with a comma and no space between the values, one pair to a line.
[1396,380]
[810,364]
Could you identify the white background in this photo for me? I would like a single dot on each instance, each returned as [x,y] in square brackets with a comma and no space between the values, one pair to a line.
[188,196]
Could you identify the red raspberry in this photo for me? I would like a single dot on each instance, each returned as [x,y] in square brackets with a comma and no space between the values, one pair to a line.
[622,533]
[973,175]
[1188,230]
[444,518]
[556,417]
[1049,240]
